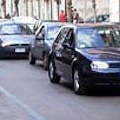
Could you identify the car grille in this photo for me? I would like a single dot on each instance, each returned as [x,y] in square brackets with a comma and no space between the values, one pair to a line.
[20,45]
[115,65]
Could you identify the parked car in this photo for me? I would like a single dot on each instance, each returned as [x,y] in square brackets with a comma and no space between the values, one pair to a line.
[99,18]
[15,39]
[87,55]
[30,21]
[41,46]
[39,22]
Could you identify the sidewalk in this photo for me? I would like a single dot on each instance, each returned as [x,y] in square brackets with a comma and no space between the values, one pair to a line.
[11,111]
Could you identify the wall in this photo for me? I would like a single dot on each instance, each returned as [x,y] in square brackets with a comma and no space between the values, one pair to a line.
[115,10]
[85,9]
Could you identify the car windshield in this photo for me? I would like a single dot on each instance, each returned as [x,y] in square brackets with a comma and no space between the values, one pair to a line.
[52,31]
[11,29]
[98,37]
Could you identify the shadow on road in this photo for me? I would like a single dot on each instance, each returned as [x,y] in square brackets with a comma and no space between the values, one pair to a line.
[98,91]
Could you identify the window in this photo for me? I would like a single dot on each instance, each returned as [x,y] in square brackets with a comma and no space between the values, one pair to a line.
[52,31]
[41,33]
[70,37]
[60,36]
[98,37]
[10,29]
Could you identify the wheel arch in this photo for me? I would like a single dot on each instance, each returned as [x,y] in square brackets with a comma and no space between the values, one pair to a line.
[75,63]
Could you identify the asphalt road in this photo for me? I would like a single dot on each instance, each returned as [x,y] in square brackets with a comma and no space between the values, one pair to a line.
[28,88]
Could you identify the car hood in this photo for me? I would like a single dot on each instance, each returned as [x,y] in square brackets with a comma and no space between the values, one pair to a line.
[17,39]
[106,54]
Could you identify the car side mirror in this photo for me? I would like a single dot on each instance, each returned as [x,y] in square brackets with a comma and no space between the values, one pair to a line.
[40,37]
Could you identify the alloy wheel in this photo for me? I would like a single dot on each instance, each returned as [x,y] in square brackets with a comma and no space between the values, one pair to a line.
[76,81]
[51,70]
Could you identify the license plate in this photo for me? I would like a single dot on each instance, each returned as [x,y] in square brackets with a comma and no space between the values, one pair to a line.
[20,50]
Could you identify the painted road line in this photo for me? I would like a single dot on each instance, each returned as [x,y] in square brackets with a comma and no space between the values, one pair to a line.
[24,106]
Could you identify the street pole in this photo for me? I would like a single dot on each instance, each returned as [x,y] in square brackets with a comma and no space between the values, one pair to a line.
[119,10]
[26,7]
[51,10]
[85,10]
[31,8]
[69,11]
[32,12]
[58,2]
[65,10]
[39,9]
[11,8]
[94,9]
[3,5]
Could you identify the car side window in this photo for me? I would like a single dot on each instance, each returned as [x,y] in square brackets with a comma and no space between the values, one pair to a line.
[107,36]
[60,36]
[70,37]
[41,33]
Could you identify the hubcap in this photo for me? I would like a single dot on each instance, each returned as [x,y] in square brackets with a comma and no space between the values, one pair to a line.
[76,81]
[51,70]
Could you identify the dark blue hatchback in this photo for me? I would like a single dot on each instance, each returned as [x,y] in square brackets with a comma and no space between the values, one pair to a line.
[87,55]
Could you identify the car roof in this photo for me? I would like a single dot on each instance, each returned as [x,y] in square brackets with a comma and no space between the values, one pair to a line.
[93,25]
[48,20]
[24,19]
[8,22]
[52,23]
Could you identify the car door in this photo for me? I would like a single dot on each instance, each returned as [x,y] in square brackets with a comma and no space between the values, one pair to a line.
[68,54]
[39,43]
[63,56]
[57,49]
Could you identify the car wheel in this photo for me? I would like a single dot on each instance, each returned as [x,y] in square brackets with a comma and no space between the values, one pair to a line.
[54,78]
[79,87]
[45,62]
[1,57]
[31,59]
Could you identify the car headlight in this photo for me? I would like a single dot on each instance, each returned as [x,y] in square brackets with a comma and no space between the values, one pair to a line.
[99,65]
[3,44]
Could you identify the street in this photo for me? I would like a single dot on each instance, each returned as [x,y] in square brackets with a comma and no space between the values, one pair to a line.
[27,94]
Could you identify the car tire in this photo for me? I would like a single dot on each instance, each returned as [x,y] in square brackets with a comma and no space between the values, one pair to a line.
[31,59]
[1,57]
[54,78]
[45,62]
[78,82]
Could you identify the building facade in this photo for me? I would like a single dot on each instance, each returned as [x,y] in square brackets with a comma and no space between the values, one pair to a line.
[50,9]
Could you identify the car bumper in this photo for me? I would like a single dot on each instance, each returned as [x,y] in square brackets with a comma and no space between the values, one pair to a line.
[105,77]
[14,51]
